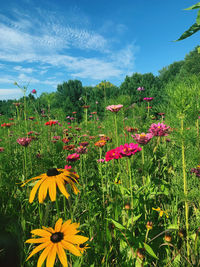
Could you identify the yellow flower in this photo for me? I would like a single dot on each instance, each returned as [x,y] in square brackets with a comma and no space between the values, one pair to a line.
[55,241]
[50,180]
[161,212]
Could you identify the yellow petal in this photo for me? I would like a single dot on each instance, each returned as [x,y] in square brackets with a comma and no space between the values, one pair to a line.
[75,239]
[52,190]
[31,179]
[71,248]
[38,240]
[65,225]
[38,248]
[61,186]
[41,232]
[42,193]
[49,229]
[61,255]
[34,190]
[161,213]
[72,184]
[51,256]
[44,255]
[58,225]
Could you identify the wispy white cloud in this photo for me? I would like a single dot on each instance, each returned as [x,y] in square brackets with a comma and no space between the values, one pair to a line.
[49,43]
[10,94]
[24,70]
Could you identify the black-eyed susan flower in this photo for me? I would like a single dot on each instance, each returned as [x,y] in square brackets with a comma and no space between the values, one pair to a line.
[56,241]
[50,180]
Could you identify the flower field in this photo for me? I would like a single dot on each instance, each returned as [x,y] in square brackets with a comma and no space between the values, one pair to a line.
[121,190]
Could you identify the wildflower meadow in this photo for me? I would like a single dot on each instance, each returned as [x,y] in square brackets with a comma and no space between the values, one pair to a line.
[118,187]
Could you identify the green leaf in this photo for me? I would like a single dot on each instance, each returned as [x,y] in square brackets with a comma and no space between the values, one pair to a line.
[150,251]
[117,225]
[130,220]
[193,29]
[198,18]
[173,226]
[193,7]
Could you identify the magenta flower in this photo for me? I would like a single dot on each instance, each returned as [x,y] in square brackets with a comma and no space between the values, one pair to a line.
[148,99]
[113,154]
[114,108]
[159,129]
[73,157]
[142,138]
[1,149]
[140,89]
[24,141]
[33,91]
[101,160]
[68,167]
[127,150]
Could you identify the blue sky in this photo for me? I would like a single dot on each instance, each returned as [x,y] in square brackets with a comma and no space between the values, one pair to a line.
[44,43]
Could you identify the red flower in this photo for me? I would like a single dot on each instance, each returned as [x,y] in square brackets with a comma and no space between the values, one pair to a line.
[51,122]
[73,157]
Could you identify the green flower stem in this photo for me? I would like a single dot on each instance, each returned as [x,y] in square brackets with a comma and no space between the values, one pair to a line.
[148,110]
[100,171]
[197,125]
[57,208]
[143,178]
[115,118]
[130,181]
[25,162]
[158,142]
[185,188]
[40,213]
[65,207]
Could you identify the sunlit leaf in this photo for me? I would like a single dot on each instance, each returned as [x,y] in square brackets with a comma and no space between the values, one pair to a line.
[193,29]
[150,251]
[193,7]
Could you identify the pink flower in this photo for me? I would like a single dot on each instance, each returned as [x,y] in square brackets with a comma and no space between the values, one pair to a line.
[67,167]
[114,108]
[128,150]
[24,141]
[101,160]
[73,157]
[159,129]
[140,89]
[33,91]
[113,154]
[142,138]
[148,99]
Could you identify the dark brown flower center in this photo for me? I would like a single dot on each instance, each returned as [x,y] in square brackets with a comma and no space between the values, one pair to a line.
[52,172]
[82,245]
[56,237]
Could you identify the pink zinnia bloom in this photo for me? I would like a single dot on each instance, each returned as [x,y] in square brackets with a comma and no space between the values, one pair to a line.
[67,167]
[101,160]
[56,137]
[142,138]
[159,129]
[114,108]
[33,91]
[128,150]
[83,143]
[24,141]
[113,154]
[140,89]
[73,157]
[148,99]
